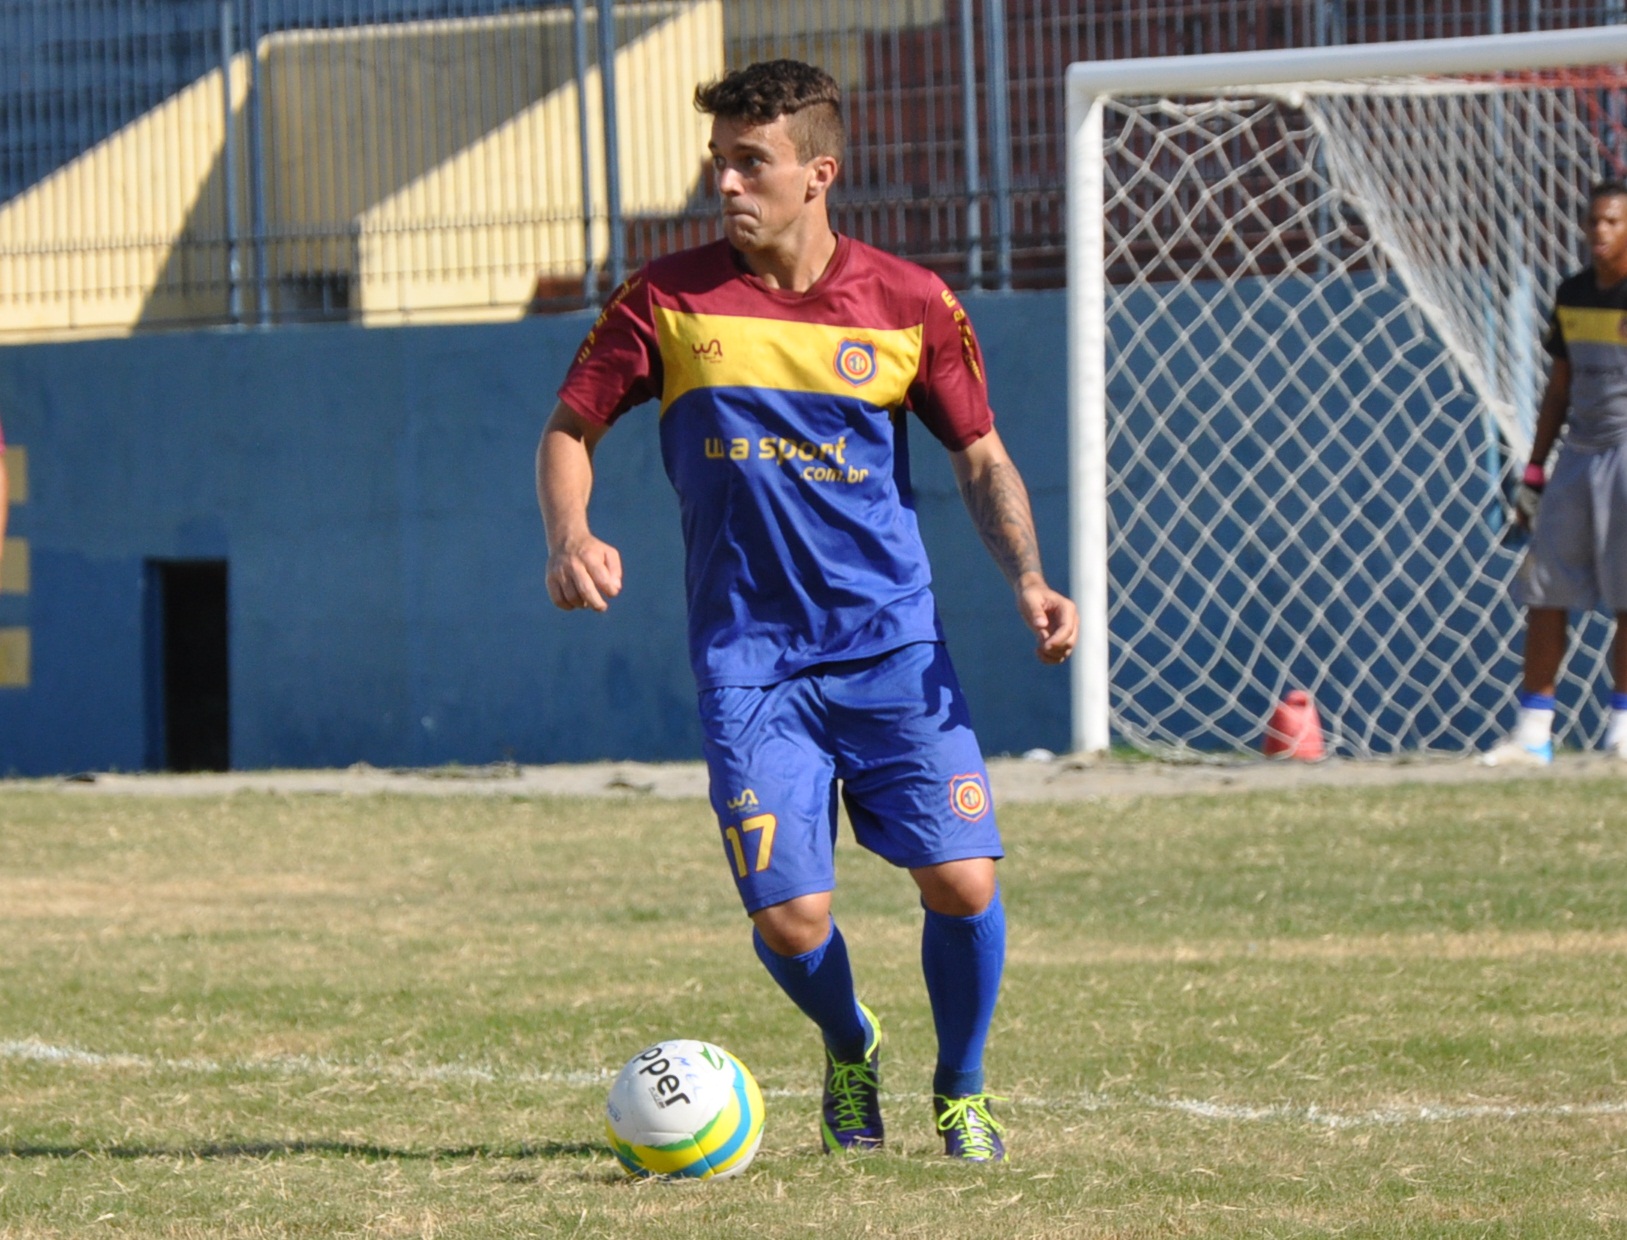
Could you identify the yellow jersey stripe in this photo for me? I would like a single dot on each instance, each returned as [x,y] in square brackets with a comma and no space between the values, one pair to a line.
[712,350]
[1592,326]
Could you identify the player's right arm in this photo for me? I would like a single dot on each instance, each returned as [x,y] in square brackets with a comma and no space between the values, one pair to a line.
[617,367]
[1556,402]
[583,571]
[1551,414]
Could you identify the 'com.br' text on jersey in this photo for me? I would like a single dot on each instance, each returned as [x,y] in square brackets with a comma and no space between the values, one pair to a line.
[782,430]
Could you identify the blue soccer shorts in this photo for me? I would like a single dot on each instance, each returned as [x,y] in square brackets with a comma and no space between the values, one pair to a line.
[891,731]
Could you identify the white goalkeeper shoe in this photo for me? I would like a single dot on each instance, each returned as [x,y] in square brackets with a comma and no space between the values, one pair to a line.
[1515,752]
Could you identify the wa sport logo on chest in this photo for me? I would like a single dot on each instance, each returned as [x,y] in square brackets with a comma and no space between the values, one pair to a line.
[810,461]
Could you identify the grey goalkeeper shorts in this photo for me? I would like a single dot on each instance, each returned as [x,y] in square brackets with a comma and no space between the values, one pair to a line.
[1578,553]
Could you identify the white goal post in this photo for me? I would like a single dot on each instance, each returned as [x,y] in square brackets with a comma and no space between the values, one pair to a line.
[1305,295]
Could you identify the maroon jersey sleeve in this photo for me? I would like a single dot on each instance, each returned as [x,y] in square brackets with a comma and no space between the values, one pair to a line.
[619,363]
[950,393]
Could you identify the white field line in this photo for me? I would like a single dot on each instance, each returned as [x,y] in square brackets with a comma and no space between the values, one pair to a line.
[1421,1113]
[32,1051]
[295,1065]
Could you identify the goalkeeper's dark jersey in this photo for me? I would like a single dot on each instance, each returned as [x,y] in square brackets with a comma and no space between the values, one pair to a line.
[1589,328]
[783,432]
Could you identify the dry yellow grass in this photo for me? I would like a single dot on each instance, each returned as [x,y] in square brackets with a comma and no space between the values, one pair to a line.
[1388,1012]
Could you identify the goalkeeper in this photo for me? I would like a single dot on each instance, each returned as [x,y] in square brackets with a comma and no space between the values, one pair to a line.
[1577,515]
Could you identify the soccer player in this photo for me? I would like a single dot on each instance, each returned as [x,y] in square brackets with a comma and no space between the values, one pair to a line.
[1577,517]
[785,358]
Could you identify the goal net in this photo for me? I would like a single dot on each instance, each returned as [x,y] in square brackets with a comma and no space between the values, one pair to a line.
[1306,296]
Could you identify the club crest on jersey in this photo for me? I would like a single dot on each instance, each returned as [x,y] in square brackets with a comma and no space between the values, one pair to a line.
[856,361]
[968,797]
[711,351]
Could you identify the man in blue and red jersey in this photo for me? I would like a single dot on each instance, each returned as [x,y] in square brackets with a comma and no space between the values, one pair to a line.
[785,358]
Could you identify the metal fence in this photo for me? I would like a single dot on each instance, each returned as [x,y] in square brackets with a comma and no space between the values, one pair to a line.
[176,162]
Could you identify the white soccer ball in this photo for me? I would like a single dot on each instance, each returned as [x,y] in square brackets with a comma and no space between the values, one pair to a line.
[686,1110]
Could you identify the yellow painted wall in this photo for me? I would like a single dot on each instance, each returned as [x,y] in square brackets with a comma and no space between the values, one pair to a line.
[14,565]
[14,568]
[832,33]
[753,19]
[432,165]
[15,644]
[16,466]
[86,251]
[15,658]
[521,183]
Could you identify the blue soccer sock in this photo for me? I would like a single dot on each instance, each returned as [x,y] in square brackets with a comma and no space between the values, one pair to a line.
[820,982]
[1535,701]
[1618,701]
[962,958]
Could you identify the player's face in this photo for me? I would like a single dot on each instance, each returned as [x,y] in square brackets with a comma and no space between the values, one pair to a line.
[1607,233]
[768,194]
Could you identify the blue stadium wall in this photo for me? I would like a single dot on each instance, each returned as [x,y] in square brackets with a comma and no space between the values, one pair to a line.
[371,494]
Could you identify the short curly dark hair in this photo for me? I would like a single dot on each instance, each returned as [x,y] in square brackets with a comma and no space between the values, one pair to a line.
[806,96]
[1606,189]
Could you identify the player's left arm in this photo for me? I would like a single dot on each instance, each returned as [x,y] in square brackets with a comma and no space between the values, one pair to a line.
[997,500]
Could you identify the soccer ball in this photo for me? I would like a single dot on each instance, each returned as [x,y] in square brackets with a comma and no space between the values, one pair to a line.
[685,1110]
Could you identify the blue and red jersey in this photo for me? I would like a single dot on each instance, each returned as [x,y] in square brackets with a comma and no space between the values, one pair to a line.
[782,430]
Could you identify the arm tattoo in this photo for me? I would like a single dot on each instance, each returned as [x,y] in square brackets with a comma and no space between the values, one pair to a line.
[998,502]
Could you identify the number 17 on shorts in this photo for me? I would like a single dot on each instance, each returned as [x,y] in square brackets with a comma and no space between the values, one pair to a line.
[751,843]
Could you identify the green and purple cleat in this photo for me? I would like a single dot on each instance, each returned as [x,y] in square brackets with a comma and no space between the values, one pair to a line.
[850,1116]
[967,1128]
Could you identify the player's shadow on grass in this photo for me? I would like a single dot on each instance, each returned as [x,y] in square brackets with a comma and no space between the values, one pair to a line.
[346,1149]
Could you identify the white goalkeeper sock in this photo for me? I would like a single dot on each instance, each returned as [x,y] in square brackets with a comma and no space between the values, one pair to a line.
[1616,734]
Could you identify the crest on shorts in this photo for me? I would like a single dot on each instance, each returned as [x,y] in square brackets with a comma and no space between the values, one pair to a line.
[856,361]
[968,797]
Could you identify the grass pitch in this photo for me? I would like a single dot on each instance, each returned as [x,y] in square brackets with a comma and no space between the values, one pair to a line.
[1392,1013]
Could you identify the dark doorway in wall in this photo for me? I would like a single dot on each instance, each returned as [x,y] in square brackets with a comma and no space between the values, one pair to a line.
[191,715]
